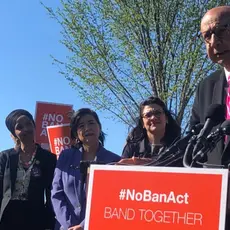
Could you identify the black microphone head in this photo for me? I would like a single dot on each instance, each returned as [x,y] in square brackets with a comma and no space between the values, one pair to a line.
[226,127]
[214,116]
[196,128]
[216,113]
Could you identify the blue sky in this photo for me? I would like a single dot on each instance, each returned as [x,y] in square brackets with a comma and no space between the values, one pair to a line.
[28,38]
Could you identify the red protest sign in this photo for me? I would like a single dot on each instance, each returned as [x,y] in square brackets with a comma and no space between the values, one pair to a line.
[140,197]
[59,138]
[49,114]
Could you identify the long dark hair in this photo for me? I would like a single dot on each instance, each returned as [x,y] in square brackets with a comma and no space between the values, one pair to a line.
[74,121]
[172,129]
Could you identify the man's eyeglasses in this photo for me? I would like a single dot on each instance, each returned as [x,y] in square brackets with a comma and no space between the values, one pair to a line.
[219,31]
[155,113]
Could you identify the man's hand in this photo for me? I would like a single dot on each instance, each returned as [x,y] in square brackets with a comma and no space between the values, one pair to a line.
[76,227]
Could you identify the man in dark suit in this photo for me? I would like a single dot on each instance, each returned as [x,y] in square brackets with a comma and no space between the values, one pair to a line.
[215,31]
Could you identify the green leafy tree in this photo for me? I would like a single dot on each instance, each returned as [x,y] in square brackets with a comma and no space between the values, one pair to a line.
[122,51]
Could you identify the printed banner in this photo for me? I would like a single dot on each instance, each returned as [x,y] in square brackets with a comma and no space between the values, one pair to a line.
[49,114]
[59,138]
[159,198]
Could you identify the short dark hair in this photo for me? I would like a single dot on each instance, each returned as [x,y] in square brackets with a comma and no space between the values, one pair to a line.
[74,121]
[172,129]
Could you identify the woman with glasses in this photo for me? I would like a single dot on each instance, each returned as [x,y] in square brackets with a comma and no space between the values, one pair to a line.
[155,131]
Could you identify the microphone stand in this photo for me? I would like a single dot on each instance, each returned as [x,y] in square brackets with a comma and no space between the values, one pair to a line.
[188,152]
[83,172]
[208,147]
[170,160]
[84,165]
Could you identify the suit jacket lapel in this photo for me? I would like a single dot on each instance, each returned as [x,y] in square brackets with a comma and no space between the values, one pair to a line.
[14,155]
[219,90]
[77,155]
[36,172]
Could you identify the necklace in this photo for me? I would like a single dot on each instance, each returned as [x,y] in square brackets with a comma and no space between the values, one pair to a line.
[28,163]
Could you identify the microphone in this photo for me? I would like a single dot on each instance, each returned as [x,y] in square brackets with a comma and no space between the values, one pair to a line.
[181,144]
[215,115]
[84,165]
[224,129]
[213,139]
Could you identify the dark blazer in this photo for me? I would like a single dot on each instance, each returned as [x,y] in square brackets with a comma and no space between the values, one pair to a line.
[138,149]
[142,148]
[40,183]
[68,200]
[212,90]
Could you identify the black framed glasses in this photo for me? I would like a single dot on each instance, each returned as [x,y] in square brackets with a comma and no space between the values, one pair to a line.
[220,32]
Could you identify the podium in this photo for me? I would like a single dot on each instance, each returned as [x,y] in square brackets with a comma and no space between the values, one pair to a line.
[159,198]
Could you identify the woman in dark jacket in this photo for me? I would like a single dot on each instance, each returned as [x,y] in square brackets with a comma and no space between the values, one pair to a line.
[155,131]
[26,173]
